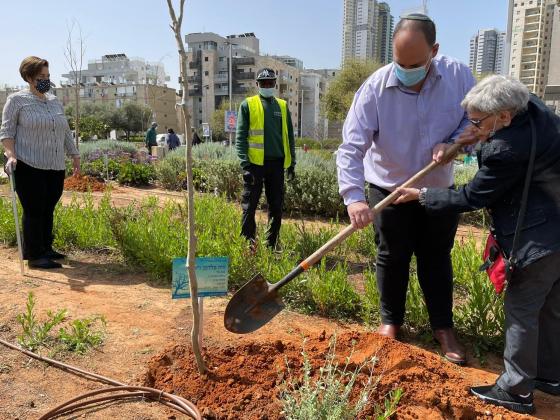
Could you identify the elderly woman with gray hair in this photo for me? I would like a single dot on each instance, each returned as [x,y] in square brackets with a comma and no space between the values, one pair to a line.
[502,113]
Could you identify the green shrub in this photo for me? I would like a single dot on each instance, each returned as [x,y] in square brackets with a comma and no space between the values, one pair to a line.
[136,174]
[170,172]
[369,308]
[150,236]
[83,225]
[83,334]
[416,311]
[480,313]
[334,296]
[99,147]
[223,176]
[7,225]
[327,393]
[35,334]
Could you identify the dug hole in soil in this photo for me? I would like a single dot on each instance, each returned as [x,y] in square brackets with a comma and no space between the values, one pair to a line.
[244,382]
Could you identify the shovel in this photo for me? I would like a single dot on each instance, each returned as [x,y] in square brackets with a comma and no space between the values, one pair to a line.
[258,301]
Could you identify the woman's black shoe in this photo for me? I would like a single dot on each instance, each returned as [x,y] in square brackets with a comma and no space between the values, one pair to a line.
[44,263]
[53,255]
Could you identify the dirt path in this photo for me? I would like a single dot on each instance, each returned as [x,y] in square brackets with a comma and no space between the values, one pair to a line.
[145,327]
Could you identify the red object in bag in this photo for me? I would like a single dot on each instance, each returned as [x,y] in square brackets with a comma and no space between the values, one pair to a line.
[496,265]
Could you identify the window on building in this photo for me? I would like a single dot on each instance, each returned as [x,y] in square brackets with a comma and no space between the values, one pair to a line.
[206,73]
[199,99]
[199,122]
[205,58]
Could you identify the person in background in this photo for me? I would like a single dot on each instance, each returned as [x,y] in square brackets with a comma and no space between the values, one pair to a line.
[500,110]
[266,148]
[403,116]
[36,136]
[151,137]
[195,138]
[172,139]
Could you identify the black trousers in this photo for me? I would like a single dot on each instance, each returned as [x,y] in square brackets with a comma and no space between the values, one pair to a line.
[271,175]
[532,308]
[38,190]
[401,231]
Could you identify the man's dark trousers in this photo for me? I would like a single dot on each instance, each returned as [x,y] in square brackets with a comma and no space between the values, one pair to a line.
[271,175]
[402,230]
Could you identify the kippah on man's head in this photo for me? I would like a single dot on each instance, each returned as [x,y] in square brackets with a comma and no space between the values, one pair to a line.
[417,16]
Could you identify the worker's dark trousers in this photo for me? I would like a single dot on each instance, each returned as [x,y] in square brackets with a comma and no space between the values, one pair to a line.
[532,309]
[402,230]
[271,175]
[38,191]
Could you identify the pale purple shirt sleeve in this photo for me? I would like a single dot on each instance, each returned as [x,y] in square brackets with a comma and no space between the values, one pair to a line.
[468,84]
[359,128]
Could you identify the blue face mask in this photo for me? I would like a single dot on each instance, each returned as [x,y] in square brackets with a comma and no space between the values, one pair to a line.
[266,92]
[411,77]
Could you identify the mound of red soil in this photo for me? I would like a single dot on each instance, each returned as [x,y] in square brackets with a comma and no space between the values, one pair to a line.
[83,183]
[244,382]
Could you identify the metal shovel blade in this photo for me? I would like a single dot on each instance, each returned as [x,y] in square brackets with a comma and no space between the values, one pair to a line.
[252,306]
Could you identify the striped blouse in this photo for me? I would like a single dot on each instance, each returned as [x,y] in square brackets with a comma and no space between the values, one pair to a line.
[39,128]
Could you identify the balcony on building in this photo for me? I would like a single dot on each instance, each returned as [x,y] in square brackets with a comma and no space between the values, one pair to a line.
[248,75]
[244,61]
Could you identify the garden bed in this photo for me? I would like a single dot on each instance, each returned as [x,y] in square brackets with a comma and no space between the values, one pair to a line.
[246,381]
[83,183]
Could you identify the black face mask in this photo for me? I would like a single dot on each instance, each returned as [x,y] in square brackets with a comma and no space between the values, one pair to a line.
[43,85]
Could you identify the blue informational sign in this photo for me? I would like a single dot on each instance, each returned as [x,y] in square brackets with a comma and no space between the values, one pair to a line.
[211,274]
[230,122]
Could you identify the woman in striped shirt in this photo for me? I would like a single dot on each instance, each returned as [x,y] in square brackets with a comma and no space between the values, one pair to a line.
[36,136]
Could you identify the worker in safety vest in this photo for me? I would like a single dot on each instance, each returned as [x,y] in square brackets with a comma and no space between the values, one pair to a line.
[265,145]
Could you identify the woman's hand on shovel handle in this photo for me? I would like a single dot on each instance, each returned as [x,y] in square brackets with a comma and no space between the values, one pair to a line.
[360,214]
[407,194]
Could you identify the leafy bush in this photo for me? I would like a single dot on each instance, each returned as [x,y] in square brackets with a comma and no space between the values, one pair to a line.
[35,334]
[223,176]
[369,308]
[7,225]
[480,315]
[170,172]
[329,395]
[333,294]
[83,225]
[83,334]
[93,150]
[313,144]
[136,174]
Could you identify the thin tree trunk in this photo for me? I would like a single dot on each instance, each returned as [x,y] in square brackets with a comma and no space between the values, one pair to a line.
[176,27]
[77,116]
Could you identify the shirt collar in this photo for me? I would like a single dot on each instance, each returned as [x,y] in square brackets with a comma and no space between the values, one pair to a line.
[393,81]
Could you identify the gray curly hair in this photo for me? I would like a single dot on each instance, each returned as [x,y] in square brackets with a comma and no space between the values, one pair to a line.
[497,93]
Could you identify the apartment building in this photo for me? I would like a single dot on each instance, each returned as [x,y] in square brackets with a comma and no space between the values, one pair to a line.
[487,49]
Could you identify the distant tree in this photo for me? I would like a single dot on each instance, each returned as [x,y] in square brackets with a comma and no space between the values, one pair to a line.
[74,53]
[131,118]
[340,93]
[217,121]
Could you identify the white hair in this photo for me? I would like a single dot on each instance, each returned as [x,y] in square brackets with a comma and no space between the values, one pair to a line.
[497,93]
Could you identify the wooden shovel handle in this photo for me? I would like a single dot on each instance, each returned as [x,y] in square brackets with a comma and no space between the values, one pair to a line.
[348,230]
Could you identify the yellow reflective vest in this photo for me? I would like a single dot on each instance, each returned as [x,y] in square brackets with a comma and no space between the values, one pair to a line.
[256,131]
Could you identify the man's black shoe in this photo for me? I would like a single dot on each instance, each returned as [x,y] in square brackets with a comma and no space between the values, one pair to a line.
[493,394]
[548,386]
[44,263]
[53,255]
